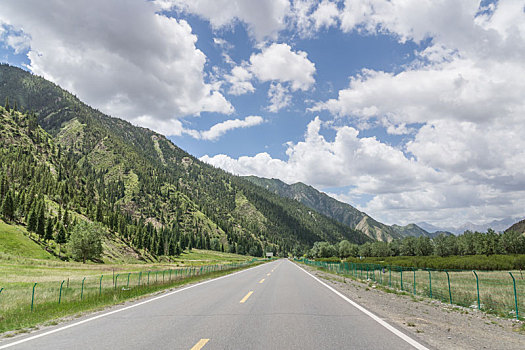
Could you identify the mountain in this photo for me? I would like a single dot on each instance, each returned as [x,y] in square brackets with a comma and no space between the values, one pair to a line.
[496,225]
[339,211]
[517,227]
[414,230]
[62,155]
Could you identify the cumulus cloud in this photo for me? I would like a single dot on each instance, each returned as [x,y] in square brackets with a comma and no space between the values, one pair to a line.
[119,56]
[263,18]
[278,62]
[348,159]
[220,129]
[435,186]
[461,98]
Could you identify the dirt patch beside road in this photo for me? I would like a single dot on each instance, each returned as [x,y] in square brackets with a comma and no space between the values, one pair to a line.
[440,325]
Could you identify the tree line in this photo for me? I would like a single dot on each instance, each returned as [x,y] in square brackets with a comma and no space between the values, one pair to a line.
[469,243]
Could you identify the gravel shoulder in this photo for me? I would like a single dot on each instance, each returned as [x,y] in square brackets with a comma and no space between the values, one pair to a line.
[440,325]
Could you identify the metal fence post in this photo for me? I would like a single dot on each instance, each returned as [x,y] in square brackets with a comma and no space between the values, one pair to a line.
[148,276]
[116,280]
[127,285]
[477,286]
[430,283]
[100,286]
[33,296]
[515,296]
[401,271]
[449,290]
[390,276]
[414,280]
[82,290]
[59,293]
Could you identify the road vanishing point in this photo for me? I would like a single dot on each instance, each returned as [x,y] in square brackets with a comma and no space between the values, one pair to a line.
[277,305]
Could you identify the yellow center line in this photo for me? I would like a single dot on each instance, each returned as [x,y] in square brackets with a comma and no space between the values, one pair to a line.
[243,300]
[261,281]
[200,344]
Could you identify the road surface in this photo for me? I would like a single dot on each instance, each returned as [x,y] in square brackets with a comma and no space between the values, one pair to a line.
[277,305]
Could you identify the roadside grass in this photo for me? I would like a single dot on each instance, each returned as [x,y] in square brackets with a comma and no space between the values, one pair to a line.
[95,293]
[496,290]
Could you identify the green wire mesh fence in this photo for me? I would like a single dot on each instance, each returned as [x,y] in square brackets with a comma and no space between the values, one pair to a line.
[31,296]
[499,292]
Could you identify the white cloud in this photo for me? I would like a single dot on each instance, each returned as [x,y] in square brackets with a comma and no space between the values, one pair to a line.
[366,162]
[326,15]
[307,17]
[119,56]
[434,186]
[175,127]
[285,69]
[278,62]
[14,38]
[465,89]
[264,18]
[279,97]
[220,129]
[240,81]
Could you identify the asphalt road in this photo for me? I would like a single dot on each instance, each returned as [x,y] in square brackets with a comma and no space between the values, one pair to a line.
[272,306]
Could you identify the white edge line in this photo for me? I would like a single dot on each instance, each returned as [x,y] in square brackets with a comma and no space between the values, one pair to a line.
[119,310]
[392,329]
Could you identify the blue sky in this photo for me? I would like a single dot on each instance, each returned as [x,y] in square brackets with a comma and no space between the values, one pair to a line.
[409,110]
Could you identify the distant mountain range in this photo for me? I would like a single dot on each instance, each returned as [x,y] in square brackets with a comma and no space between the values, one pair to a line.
[339,211]
[496,225]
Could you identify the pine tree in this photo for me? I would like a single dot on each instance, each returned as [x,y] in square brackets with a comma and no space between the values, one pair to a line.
[61,237]
[7,104]
[99,216]
[32,220]
[49,230]
[4,187]
[8,210]
[41,223]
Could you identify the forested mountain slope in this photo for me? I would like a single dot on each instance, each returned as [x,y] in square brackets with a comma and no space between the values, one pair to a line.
[341,212]
[61,156]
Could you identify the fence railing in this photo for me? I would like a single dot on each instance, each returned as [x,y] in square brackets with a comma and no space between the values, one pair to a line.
[29,296]
[499,292]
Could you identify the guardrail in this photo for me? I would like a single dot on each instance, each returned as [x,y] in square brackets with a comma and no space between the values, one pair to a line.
[499,292]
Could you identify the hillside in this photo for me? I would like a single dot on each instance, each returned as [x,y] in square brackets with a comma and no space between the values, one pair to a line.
[339,211]
[69,158]
[517,227]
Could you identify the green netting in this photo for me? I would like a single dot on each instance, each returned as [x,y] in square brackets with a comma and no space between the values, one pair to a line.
[460,287]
